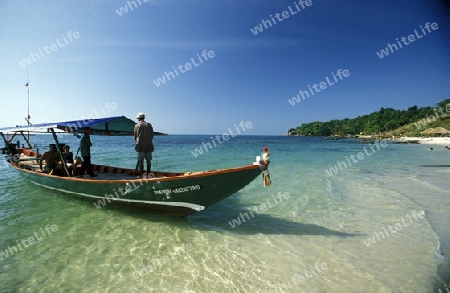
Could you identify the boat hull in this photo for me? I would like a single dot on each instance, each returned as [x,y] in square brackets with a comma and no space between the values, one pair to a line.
[178,194]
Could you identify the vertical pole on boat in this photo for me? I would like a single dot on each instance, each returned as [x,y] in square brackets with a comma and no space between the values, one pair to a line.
[28,97]
[58,147]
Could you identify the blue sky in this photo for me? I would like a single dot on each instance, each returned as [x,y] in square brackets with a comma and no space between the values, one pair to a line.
[116,59]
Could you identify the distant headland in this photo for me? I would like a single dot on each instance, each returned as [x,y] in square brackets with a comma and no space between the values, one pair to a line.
[387,123]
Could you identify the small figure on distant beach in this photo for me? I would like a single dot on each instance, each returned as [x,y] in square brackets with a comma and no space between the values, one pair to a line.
[143,136]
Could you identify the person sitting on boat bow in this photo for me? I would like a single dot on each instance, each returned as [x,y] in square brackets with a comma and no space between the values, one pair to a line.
[264,164]
[265,158]
[51,159]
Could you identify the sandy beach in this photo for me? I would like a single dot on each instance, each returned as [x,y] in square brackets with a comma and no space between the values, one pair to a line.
[429,140]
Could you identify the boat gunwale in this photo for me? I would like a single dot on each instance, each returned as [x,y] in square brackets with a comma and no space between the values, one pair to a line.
[185,175]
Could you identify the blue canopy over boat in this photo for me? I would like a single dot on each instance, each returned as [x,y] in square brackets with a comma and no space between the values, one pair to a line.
[117,125]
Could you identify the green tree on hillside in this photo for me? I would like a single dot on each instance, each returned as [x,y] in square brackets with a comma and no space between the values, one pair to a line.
[384,120]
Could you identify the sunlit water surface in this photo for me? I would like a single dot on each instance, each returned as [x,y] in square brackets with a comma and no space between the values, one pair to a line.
[313,240]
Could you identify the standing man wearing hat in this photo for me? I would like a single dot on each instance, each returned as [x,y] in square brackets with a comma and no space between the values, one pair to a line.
[143,135]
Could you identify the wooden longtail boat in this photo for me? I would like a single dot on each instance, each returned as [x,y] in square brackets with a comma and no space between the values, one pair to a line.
[173,193]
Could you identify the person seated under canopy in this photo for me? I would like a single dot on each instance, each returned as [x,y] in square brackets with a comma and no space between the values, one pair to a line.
[51,158]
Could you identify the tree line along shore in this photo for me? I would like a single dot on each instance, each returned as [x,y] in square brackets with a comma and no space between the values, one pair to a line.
[385,123]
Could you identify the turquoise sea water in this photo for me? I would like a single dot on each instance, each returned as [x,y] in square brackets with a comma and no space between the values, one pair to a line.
[312,234]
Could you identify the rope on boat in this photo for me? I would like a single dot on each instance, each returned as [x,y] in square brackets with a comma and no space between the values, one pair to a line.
[266,178]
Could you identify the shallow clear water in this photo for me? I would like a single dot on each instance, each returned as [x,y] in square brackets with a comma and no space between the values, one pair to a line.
[312,235]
